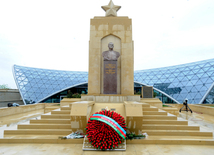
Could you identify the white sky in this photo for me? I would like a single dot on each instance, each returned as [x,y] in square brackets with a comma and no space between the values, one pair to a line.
[54,34]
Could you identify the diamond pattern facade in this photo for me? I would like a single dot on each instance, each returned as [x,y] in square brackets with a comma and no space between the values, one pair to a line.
[36,84]
[193,81]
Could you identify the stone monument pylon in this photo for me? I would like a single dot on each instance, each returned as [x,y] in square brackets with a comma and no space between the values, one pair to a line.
[117,30]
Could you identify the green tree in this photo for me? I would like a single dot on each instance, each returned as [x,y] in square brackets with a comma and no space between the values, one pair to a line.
[154,94]
[75,95]
[4,86]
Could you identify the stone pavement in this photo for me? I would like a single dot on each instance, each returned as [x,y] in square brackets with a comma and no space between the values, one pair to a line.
[76,149]
[206,122]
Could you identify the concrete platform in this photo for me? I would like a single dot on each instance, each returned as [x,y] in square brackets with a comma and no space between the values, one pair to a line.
[180,132]
[131,149]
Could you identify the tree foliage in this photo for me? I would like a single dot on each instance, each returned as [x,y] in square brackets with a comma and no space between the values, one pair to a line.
[75,95]
[4,86]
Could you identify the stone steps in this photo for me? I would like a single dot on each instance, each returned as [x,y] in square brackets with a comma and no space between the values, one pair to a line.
[154,113]
[65,108]
[159,117]
[56,116]
[145,105]
[55,124]
[170,109]
[173,111]
[61,112]
[44,126]
[33,136]
[51,121]
[149,109]
[170,127]
[177,133]
[149,140]
[164,122]
[41,141]
[38,132]
[161,128]
[172,141]
[49,109]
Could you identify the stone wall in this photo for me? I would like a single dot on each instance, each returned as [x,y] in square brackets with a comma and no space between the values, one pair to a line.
[10,96]
[21,109]
[200,108]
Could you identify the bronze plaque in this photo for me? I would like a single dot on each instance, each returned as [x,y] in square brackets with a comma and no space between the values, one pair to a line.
[110,77]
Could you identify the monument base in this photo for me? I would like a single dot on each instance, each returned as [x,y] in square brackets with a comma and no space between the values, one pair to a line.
[107,98]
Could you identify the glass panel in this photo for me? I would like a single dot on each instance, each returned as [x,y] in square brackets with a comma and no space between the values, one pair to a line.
[51,80]
[204,80]
[209,80]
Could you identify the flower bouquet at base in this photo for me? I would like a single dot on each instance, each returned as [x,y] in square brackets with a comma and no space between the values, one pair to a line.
[73,135]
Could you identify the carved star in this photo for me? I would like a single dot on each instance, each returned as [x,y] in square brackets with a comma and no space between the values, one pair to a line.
[111,9]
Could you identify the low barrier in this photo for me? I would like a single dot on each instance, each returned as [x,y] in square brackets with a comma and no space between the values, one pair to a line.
[21,109]
[200,108]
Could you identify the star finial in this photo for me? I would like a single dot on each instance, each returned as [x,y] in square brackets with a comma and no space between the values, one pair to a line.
[111,9]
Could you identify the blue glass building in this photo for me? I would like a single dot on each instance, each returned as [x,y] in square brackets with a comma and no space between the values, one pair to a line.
[172,84]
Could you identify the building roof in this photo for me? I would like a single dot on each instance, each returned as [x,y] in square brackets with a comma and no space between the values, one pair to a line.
[193,81]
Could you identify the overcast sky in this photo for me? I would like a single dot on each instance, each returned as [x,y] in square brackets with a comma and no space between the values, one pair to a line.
[54,34]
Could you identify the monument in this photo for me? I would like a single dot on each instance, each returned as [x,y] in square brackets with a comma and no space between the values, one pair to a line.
[110,70]
[111,80]
[105,118]
[117,30]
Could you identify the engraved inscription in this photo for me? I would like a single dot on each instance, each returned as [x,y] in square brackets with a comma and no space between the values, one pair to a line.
[110,77]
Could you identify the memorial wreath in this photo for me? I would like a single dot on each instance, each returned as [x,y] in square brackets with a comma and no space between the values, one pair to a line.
[106,129]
